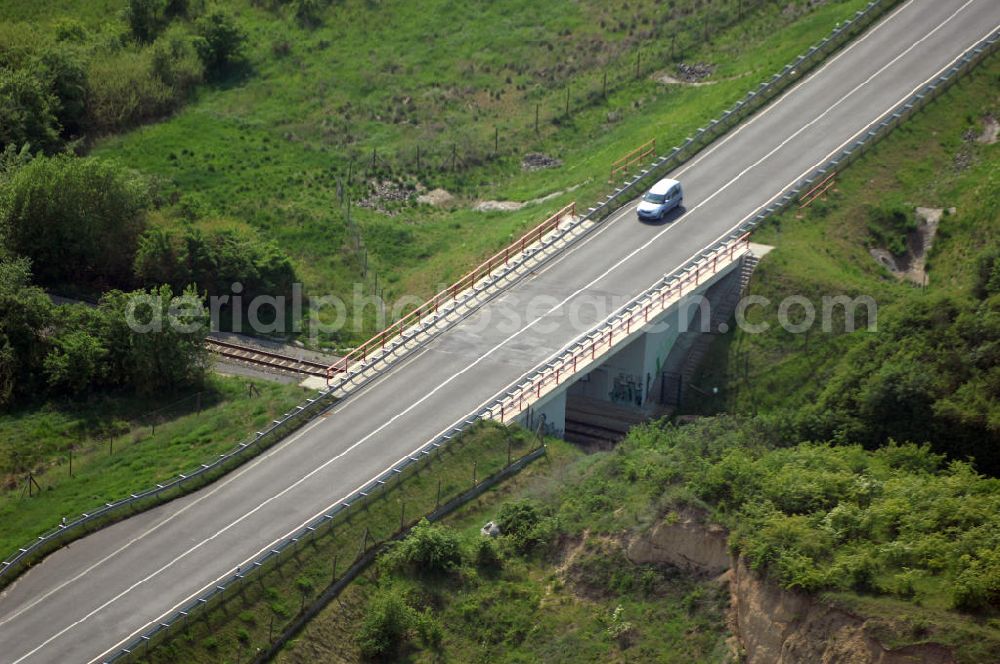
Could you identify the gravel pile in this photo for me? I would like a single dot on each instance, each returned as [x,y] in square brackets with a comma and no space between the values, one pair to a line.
[384,194]
[536,161]
[692,73]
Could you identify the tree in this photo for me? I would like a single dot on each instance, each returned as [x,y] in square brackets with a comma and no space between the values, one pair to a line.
[74,365]
[157,339]
[144,18]
[78,220]
[25,312]
[27,111]
[221,40]
[62,69]
[176,62]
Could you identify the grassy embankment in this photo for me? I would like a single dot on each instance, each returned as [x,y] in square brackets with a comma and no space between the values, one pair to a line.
[897,535]
[271,150]
[931,161]
[152,440]
[253,112]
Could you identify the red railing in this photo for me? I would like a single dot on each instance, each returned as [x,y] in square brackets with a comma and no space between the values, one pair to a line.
[622,166]
[655,303]
[378,342]
[817,191]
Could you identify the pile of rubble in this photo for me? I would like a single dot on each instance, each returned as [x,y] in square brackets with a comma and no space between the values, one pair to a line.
[692,73]
[536,161]
[382,196]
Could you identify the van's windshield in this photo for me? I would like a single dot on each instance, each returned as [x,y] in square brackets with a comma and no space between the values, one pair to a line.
[657,199]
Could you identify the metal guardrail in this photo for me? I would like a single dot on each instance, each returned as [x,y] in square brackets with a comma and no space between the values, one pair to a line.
[662,288]
[792,72]
[588,351]
[545,378]
[730,118]
[63,533]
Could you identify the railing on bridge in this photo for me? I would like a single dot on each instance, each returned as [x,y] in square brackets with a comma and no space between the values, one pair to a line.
[598,343]
[305,412]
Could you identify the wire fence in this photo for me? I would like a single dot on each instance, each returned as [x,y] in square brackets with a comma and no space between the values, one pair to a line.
[88,439]
[314,406]
[63,533]
[329,524]
[492,411]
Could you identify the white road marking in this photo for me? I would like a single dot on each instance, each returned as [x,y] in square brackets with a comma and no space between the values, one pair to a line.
[464,370]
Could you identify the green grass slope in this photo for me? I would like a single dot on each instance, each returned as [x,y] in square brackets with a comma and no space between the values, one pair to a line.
[277,147]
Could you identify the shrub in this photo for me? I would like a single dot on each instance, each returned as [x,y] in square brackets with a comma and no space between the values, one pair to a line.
[428,549]
[123,91]
[144,18]
[214,260]
[176,62]
[977,586]
[78,220]
[526,525]
[27,111]
[63,70]
[221,42]
[487,555]
[386,626]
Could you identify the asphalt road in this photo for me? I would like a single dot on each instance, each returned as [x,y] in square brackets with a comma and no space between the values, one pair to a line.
[92,596]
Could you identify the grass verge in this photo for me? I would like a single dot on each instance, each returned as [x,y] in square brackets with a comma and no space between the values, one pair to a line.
[144,449]
[277,150]
[258,610]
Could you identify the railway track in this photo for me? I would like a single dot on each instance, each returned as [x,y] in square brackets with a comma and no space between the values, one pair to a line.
[265,358]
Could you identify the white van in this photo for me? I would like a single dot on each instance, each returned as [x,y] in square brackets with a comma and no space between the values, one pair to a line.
[663,197]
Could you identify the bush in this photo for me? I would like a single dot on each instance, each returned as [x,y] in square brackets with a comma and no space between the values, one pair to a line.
[386,626]
[144,18]
[176,62]
[214,260]
[124,91]
[977,586]
[25,316]
[428,549]
[526,525]
[27,111]
[487,555]
[221,42]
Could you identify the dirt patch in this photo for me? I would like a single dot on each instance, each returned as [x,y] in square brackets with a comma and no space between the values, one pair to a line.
[991,128]
[511,206]
[436,197]
[536,161]
[912,266]
[498,206]
[597,568]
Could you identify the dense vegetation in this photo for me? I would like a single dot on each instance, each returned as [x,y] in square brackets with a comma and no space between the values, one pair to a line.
[363,106]
[930,371]
[71,350]
[81,226]
[67,80]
